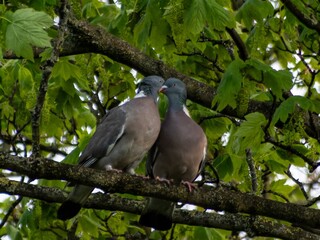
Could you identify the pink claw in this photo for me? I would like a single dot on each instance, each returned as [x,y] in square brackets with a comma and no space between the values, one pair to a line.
[145,177]
[109,168]
[168,182]
[116,170]
[190,186]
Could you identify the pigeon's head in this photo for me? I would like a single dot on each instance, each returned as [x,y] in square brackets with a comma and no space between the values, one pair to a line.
[175,89]
[150,86]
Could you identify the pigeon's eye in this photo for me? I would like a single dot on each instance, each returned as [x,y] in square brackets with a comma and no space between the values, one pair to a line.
[174,85]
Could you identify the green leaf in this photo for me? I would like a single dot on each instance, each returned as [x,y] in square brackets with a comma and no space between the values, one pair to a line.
[160,27]
[277,166]
[297,161]
[288,107]
[277,185]
[281,187]
[254,10]
[250,132]
[89,226]
[46,54]
[13,232]
[279,81]
[39,235]
[26,29]
[230,86]
[27,218]
[142,29]
[206,12]
[201,233]
[73,156]
[6,110]
[25,81]
[224,166]
[214,234]
[86,118]
[215,128]
[66,70]
[239,167]
[152,27]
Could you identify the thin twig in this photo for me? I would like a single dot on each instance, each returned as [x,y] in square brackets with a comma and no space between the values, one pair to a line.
[309,161]
[300,184]
[47,69]
[278,194]
[11,209]
[72,231]
[172,232]
[219,115]
[217,180]
[312,201]
[198,53]
[252,170]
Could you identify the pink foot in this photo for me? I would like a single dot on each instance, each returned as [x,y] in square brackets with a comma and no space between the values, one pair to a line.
[166,181]
[190,186]
[145,177]
[109,168]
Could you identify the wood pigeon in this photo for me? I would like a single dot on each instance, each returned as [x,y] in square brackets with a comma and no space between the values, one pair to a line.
[123,137]
[177,155]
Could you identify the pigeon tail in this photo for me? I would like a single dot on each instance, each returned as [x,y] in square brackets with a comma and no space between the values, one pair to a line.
[157,214]
[68,210]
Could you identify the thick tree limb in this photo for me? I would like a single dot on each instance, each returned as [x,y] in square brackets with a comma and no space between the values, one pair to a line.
[206,197]
[254,226]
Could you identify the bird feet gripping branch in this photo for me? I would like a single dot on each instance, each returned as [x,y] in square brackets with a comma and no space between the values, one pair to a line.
[166,181]
[191,186]
[109,168]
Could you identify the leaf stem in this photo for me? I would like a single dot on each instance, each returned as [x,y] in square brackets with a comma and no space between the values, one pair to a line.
[6,19]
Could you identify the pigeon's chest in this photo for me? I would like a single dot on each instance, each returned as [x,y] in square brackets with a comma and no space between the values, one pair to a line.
[143,121]
[177,130]
[180,145]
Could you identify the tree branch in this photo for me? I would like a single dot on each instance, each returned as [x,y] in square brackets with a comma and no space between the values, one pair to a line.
[47,69]
[310,22]
[11,209]
[257,226]
[243,51]
[300,184]
[206,196]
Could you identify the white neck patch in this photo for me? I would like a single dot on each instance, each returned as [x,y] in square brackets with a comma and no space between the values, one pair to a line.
[186,111]
[140,94]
